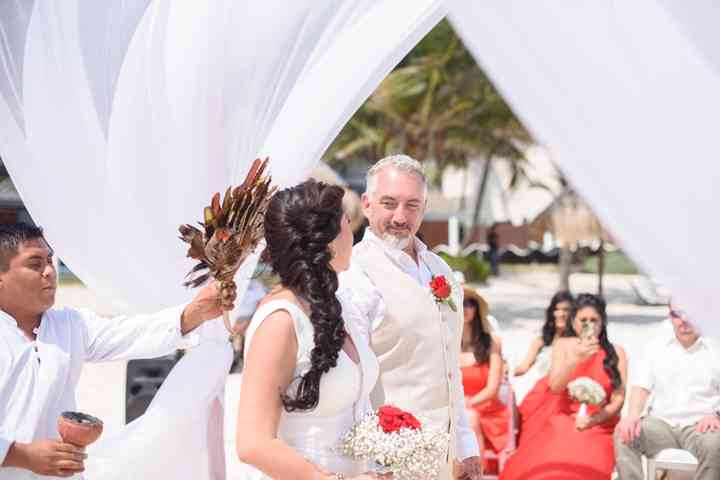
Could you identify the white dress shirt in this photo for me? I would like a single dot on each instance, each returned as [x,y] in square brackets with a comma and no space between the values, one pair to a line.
[685,383]
[369,309]
[38,378]
[365,292]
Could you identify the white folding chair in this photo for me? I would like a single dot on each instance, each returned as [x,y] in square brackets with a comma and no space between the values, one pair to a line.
[506,396]
[671,459]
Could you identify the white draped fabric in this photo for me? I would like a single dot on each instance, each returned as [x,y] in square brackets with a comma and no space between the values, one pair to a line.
[627,97]
[119,119]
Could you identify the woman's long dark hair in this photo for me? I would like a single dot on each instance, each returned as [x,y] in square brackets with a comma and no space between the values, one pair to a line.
[549,328]
[300,224]
[611,359]
[480,339]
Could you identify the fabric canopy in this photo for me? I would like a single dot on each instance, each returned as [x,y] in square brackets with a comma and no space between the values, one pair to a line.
[626,95]
[118,120]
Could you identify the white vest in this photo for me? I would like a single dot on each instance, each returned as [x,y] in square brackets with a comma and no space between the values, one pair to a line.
[417,342]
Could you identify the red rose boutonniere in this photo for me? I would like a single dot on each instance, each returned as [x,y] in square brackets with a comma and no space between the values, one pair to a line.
[442,291]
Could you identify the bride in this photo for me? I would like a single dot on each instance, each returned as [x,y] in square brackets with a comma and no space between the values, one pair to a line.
[307,375]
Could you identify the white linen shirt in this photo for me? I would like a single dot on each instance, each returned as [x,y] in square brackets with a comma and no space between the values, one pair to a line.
[38,379]
[685,383]
[371,310]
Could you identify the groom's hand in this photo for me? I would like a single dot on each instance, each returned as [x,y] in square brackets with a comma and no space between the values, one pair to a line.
[471,469]
[209,303]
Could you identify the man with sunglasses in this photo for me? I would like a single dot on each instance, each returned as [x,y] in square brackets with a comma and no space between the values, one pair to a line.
[682,372]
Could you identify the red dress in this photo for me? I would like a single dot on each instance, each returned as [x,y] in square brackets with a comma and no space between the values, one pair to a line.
[493,414]
[558,451]
[537,407]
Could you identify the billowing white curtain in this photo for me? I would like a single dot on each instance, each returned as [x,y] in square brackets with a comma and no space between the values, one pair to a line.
[626,94]
[119,119]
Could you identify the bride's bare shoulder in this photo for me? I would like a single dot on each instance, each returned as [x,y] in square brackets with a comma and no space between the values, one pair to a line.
[278,293]
[278,324]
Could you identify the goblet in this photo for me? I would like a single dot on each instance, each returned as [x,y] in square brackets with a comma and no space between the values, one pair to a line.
[79,429]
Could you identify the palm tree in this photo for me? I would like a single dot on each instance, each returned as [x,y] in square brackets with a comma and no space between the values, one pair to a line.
[436,105]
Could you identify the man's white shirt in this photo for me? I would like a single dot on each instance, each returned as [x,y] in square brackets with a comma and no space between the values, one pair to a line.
[368,310]
[685,383]
[38,378]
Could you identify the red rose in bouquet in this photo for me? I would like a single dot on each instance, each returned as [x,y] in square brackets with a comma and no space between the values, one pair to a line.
[441,290]
[396,442]
[409,421]
[391,419]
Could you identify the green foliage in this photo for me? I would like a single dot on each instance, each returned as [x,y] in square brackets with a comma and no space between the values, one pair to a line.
[437,104]
[615,262]
[472,266]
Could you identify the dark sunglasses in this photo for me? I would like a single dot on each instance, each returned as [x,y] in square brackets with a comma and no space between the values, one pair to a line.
[681,314]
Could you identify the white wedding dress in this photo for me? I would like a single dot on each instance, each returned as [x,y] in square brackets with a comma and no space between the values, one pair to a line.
[344,397]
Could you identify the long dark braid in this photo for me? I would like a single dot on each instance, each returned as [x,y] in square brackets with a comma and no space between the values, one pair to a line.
[610,364]
[300,224]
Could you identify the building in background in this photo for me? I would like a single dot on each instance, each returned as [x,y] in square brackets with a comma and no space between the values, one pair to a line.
[12,209]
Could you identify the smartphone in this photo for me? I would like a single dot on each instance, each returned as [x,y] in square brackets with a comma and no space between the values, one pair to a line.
[587,332]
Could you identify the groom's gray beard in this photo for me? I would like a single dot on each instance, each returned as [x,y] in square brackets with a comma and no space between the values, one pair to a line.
[401,243]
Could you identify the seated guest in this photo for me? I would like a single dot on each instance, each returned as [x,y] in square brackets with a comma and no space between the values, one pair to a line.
[682,371]
[556,318]
[42,351]
[569,445]
[481,366]
[538,403]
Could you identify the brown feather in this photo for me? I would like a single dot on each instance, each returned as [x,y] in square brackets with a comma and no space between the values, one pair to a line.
[231,229]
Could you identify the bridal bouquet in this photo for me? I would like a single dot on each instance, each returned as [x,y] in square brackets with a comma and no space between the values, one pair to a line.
[586,391]
[397,442]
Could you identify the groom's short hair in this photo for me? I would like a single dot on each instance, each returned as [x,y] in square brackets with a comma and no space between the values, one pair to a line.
[11,236]
[402,162]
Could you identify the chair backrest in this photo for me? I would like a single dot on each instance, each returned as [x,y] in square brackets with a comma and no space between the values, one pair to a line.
[507,396]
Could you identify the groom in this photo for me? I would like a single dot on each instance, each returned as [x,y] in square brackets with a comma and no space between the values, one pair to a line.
[416,339]
[42,351]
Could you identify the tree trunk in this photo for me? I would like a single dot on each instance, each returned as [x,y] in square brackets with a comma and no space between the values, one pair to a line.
[601,266]
[463,220]
[481,195]
[565,262]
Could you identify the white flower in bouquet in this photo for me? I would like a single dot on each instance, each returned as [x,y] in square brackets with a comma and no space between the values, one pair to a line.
[397,442]
[586,391]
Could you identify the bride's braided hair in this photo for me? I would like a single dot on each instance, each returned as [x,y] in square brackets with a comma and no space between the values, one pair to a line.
[300,223]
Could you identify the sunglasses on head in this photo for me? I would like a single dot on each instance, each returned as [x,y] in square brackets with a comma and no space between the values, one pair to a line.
[682,314]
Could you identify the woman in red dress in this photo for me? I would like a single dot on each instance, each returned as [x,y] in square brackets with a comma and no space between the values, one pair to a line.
[539,403]
[571,446]
[481,366]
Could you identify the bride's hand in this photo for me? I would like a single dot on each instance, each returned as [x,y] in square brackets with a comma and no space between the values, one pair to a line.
[363,476]
[373,476]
